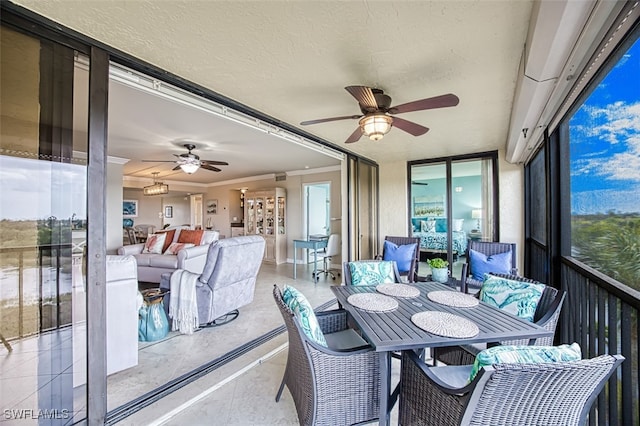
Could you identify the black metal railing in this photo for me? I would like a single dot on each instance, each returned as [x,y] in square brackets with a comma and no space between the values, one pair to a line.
[601,314]
[38,308]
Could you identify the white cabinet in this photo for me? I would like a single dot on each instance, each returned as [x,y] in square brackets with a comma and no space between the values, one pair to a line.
[265,216]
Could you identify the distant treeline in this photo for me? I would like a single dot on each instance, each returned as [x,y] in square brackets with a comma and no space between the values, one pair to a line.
[609,243]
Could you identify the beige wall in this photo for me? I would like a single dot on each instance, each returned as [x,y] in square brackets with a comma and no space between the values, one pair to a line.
[229,201]
[393,202]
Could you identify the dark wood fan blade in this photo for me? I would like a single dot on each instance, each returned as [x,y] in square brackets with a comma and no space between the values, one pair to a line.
[214,163]
[211,168]
[176,168]
[363,95]
[324,120]
[442,101]
[158,161]
[409,126]
[355,136]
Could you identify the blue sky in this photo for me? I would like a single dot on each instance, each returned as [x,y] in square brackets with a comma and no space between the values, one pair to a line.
[605,142]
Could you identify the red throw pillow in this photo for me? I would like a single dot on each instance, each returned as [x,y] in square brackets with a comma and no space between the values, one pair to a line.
[189,236]
[168,239]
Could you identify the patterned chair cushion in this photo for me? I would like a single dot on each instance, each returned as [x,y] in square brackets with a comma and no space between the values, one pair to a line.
[482,264]
[372,273]
[304,312]
[402,255]
[525,355]
[516,297]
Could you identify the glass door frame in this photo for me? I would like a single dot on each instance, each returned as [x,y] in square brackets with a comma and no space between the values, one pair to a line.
[448,161]
[28,23]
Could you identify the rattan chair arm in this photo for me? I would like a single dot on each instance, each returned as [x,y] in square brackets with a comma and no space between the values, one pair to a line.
[552,312]
[435,380]
[332,321]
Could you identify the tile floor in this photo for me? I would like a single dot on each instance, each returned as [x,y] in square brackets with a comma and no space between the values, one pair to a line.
[241,392]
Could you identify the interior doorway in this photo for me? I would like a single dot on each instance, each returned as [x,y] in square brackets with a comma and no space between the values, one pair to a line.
[317,208]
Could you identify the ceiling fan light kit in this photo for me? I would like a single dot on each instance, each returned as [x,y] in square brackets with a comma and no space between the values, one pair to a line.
[190,162]
[377,111]
[376,126]
[190,167]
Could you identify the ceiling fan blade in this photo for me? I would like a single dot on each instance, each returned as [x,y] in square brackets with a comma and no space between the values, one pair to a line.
[211,168]
[214,163]
[324,120]
[355,136]
[409,126]
[157,161]
[442,101]
[176,167]
[364,96]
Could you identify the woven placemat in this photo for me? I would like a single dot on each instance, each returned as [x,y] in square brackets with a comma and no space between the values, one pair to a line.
[453,298]
[445,324]
[373,302]
[398,290]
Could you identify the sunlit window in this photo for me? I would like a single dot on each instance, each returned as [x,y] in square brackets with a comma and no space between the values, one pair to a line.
[605,173]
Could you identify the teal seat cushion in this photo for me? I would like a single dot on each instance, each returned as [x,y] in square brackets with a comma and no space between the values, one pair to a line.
[372,273]
[525,355]
[402,255]
[304,313]
[482,264]
[516,297]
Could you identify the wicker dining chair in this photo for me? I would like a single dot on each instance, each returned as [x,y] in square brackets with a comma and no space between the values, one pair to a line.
[487,248]
[546,315]
[412,273]
[329,386]
[556,393]
[346,269]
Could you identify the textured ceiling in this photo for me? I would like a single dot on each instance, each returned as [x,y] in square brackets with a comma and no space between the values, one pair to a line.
[292,59]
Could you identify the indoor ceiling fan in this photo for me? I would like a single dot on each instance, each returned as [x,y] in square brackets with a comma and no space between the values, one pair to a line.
[377,111]
[190,162]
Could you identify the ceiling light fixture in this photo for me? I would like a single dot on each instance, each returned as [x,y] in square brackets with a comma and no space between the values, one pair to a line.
[158,188]
[189,165]
[375,125]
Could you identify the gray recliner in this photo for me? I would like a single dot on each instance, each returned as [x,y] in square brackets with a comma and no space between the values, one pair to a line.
[228,280]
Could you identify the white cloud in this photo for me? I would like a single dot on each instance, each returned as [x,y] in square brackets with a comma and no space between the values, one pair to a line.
[617,123]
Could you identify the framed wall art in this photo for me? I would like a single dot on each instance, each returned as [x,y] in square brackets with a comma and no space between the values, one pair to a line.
[168,211]
[212,206]
[129,208]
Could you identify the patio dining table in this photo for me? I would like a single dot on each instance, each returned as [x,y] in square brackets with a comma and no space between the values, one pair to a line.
[394,330]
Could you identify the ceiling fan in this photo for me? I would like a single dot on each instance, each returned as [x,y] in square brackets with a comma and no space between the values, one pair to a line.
[190,162]
[377,111]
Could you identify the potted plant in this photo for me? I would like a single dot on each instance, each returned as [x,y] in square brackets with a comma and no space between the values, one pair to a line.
[439,269]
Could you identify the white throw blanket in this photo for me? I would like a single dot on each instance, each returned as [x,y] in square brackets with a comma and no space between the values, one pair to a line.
[183,308]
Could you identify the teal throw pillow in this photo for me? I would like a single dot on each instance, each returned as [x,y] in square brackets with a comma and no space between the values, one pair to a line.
[525,355]
[441,225]
[516,297]
[482,264]
[372,273]
[304,312]
[402,255]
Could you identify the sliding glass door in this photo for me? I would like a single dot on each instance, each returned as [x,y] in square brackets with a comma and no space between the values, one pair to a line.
[451,201]
[43,219]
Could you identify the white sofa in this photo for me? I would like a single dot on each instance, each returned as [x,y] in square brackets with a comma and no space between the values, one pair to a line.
[122,306]
[152,266]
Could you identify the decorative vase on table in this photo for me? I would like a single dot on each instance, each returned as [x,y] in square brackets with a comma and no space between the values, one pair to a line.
[439,270]
[440,275]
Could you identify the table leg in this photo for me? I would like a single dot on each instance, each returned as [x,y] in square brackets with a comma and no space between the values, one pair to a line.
[295,264]
[315,264]
[385,388]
